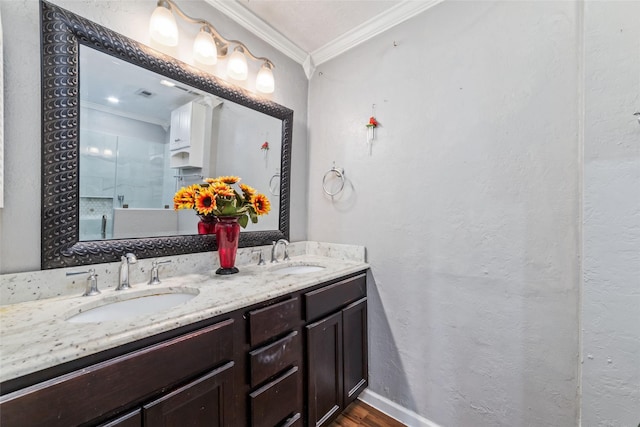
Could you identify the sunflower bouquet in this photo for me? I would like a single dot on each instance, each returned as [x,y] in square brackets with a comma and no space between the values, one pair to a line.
[216,197]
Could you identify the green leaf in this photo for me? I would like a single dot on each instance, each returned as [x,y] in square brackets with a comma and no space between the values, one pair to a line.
[243,221]
[229,209]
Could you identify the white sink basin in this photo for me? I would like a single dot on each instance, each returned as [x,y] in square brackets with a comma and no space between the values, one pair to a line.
[134,306]
[299,269]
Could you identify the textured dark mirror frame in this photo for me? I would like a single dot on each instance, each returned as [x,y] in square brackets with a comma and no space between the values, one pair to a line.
[61,34]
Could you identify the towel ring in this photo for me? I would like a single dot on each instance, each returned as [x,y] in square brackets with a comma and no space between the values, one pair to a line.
[338,173]
[273,189]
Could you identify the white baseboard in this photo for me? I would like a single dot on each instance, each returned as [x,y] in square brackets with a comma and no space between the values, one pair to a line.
[394,410]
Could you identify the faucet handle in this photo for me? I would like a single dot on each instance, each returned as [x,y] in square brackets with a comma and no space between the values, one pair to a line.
[92,282]
[260,258]
[74,273]
[155,278]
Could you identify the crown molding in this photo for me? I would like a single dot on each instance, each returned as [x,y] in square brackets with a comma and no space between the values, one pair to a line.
[257,26]
[309,67]
[371,28]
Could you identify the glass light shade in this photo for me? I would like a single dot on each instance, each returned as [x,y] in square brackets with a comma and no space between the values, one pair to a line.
[163,27]
[204,48]
[264,80]
[237,66]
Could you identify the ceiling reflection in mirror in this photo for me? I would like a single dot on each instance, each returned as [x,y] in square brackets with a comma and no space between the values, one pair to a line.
[144,135]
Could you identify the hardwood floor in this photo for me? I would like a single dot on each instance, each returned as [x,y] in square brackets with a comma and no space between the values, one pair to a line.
[359,414]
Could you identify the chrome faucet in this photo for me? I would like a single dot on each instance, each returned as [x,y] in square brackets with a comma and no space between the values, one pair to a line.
[274,248]
[155,278]
[126,259]
[92,282]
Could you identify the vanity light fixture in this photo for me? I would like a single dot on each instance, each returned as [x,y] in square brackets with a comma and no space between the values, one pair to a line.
[163,27]
[237,67]
[209,45]
[264,80]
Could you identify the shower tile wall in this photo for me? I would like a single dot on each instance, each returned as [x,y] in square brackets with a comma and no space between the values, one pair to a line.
[129,170]
[92,210]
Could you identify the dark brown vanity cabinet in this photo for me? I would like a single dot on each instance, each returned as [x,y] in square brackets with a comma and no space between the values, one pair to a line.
[186,377]
[288,362]
[337,360]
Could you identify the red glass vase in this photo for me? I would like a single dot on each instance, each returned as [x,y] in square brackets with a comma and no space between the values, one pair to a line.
[207,224]
[227,234]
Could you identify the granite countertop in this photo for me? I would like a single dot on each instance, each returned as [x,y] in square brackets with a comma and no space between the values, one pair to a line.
[36,335]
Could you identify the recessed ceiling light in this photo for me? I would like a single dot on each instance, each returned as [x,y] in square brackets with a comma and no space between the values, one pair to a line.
[167,83]
[113,100]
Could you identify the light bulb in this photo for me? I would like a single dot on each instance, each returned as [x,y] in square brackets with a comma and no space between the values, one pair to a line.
[237,67]
[163,27]
[264,80]
[204,48]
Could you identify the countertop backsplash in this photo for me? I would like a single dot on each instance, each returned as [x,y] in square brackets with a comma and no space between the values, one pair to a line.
[42,284]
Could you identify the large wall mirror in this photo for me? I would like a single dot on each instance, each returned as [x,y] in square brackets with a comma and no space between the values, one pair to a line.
[112,110]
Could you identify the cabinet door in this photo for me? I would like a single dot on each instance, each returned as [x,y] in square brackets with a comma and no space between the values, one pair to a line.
[207,401]
[180,127]
[324,365]
[354,334]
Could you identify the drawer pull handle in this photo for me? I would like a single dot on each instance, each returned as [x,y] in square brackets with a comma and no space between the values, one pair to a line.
[291,420]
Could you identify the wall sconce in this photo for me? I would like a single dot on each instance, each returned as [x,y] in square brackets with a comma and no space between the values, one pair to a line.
[209,45]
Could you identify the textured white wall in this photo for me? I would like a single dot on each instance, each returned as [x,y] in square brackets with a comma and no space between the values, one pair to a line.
[1,127]
[20,218]
[611,296]
[468,207]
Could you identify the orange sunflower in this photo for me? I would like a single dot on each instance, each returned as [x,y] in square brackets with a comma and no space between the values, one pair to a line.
[247,192]
[205,201]
[261,204]
[221,189]
[184,198]
[228,179]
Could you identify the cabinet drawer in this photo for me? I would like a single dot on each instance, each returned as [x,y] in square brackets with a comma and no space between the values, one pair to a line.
[333,297]
[83,395]
[278,401]
[269,360]
[272,321]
